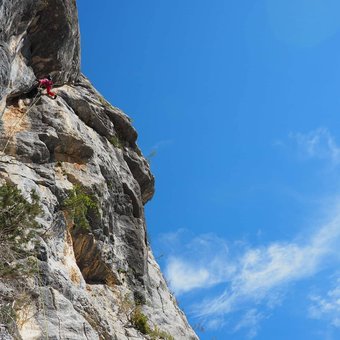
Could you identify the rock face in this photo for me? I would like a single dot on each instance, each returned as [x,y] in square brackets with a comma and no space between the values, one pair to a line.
[89,281]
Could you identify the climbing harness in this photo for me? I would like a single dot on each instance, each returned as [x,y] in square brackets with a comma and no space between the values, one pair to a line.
[12,130]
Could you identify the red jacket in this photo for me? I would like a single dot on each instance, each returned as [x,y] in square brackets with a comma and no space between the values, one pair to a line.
[45,82]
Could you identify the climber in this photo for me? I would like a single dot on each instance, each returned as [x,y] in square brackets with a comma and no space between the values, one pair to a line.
[47,84]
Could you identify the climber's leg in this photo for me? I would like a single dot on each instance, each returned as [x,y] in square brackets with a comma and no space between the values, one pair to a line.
[50,93]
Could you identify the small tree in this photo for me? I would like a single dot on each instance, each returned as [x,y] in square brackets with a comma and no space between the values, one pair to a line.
[78,204]
[17,223]
[17,229]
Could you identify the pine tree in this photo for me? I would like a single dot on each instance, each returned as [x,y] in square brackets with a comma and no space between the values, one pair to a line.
[17,226]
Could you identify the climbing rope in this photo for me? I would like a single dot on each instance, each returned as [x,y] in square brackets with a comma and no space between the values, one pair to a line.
[12,130]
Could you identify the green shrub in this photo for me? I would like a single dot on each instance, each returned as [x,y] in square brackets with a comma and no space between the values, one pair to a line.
[16,212]
[17,226]
[18,231]
[7,314]
[116,142]
[140,321]
[156,333]
[78,205]
[8,317]
[133,311]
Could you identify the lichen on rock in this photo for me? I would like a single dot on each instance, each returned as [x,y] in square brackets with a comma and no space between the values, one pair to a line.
[82,275]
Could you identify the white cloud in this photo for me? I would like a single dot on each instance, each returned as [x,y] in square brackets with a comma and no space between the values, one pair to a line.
[172,239]
[318,144]
[203,263]
[258,275]
[261,272]
[187,276]
[215,323]
[250,322]
[327,307]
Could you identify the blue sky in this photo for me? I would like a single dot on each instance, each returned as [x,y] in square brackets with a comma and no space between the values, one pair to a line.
[237,103]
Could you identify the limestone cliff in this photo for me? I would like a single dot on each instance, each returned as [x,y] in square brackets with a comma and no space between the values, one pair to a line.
[89,281]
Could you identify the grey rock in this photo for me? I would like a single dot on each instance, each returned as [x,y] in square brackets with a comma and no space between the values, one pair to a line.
[88,281]
[4,334]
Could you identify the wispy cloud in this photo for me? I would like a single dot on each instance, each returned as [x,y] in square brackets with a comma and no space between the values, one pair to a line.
[318,144]
[185,276]
[250,322]
[253,276]
[261,271]
[328,306]
[203,262]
